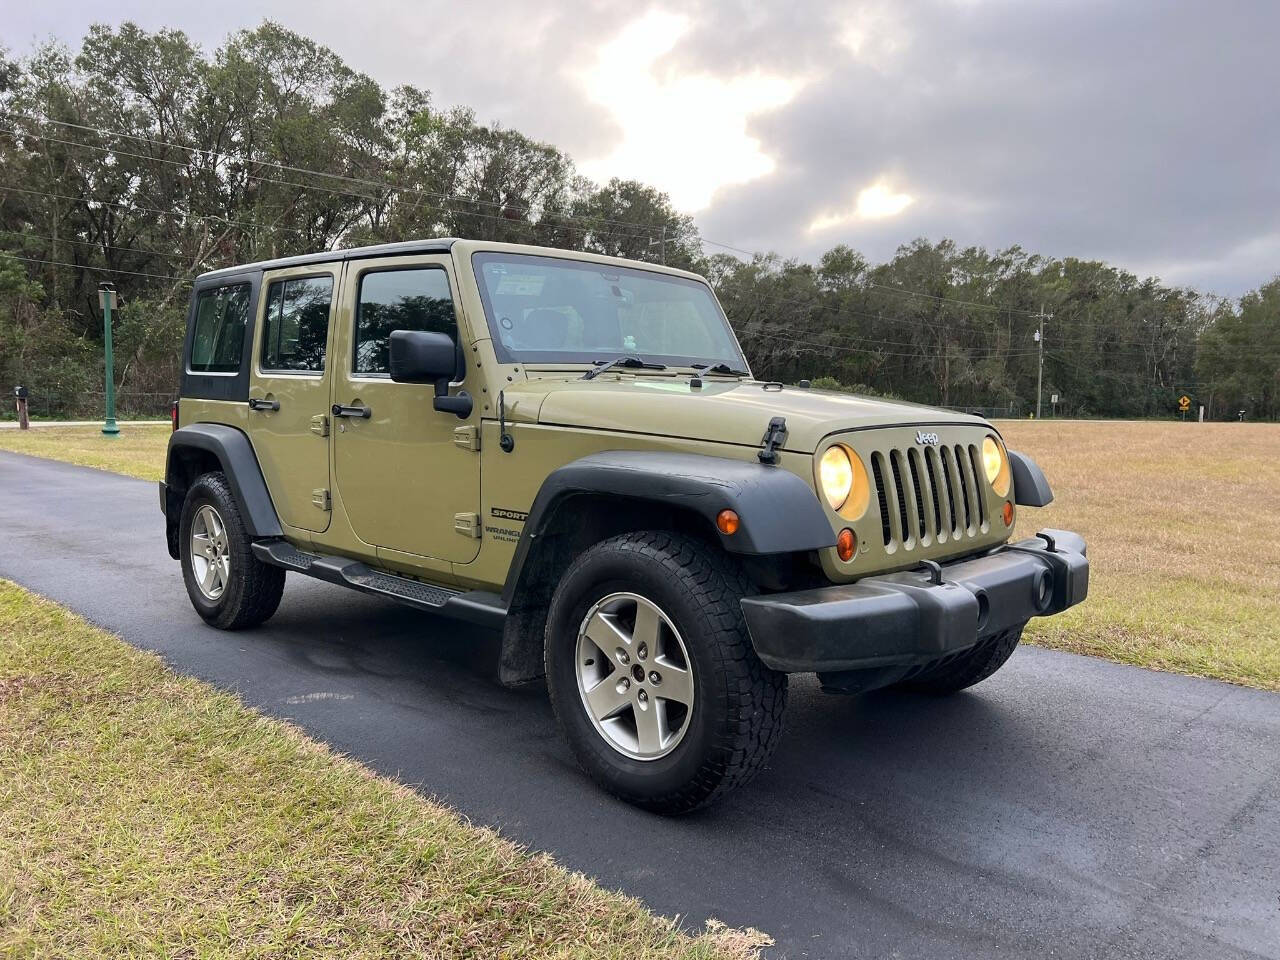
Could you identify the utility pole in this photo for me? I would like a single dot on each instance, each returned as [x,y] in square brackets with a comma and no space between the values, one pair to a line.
[661,244]
[107,300]
[1042,317]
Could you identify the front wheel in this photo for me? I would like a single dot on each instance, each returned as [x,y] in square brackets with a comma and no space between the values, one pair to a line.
[652,674]
[228,586]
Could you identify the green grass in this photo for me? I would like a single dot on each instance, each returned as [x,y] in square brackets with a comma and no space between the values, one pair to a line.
[1180,519]
[144,814]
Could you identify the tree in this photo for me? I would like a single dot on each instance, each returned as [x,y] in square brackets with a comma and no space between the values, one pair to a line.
[1238,360]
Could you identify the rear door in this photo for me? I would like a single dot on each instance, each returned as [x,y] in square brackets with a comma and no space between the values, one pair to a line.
[289,392]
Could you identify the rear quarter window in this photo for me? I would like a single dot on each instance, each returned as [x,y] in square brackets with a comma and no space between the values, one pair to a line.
[217,337]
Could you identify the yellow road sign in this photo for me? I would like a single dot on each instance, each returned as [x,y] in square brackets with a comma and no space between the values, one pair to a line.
[1184,403]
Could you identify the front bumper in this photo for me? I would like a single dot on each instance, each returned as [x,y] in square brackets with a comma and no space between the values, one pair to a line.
[908,619]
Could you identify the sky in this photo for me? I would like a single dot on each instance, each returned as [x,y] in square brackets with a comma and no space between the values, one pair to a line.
[1141,132]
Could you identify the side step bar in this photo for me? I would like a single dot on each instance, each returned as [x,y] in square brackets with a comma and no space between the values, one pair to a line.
[477,606]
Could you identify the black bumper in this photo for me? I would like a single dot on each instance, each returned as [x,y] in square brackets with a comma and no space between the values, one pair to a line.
[906,619]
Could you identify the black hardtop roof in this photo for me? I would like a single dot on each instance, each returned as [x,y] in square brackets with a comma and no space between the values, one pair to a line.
[438,245]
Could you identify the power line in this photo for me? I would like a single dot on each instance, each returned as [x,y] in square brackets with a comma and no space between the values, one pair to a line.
[386,185]
[87,201]
[942,299]
[838,348]
[95,244]
[921,323]
[85,266]
[382,185]
[866,344]
[784,337]
[221,156]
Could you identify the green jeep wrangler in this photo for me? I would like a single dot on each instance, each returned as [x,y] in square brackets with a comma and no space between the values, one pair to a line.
[571,449]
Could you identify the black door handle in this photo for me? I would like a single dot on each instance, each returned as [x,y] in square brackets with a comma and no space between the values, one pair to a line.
[258,403]
[363,413]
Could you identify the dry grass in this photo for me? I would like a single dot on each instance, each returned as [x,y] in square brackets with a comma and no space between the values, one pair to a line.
[145,814]
[1181,520]
[137,451]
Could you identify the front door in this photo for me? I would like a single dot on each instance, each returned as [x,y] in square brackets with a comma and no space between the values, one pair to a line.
[289,392]
[405,482]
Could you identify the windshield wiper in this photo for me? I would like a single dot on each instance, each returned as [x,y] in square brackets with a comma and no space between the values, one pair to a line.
[720,368]
[634,363]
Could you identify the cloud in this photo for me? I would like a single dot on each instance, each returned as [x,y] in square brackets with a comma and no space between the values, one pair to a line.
[683,132]
[874,33]
[1145,133]
[874,203]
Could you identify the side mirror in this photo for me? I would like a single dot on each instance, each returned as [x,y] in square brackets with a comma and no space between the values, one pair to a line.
[419,356]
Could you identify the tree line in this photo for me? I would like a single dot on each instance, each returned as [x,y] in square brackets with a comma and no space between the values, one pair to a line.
[143,159]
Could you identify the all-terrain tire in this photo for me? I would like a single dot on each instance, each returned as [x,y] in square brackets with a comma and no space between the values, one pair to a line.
[736,718]
[253,588]
[971,667]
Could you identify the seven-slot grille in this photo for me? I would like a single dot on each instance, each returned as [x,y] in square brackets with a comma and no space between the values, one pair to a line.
[929,494]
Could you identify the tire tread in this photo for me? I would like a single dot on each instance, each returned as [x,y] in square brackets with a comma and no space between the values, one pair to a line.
[256,588]
[973,667]
[755,696]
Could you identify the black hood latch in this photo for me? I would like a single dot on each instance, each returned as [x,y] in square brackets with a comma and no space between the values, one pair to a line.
[774,436]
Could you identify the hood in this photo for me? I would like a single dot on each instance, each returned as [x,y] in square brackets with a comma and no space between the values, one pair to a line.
[724,411]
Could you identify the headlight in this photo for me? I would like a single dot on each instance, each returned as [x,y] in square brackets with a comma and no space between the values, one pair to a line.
[836,473]
[844,482]
[996,465]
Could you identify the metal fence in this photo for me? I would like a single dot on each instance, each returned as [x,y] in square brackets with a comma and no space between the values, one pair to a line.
[1012,410]
[90,404]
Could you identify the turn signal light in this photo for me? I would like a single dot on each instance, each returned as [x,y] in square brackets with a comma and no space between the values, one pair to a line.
[846,544]
[727,522]
[1008,514]
[173,417]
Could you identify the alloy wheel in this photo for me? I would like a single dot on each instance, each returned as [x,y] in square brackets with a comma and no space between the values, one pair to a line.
[635,676]
[210,552]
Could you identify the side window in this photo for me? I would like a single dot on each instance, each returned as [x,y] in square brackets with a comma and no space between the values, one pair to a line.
[217,343]
[416,299]
[297,324]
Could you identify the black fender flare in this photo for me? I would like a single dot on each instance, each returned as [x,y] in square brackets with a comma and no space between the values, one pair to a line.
[1030,487]
[234,452]
[779,512]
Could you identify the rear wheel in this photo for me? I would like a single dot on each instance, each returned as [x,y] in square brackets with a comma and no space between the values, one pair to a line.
[971,667]
[228,586]
[652,674]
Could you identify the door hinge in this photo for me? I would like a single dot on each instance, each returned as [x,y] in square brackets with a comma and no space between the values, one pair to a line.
[467,524]
[468,437]
[320,500]
[320,425]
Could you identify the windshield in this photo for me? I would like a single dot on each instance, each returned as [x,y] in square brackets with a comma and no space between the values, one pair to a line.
[548,310]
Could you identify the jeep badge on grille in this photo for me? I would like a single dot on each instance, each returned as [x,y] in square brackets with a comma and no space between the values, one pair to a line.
[928,438]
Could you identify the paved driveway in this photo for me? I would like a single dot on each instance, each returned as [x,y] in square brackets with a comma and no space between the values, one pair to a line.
[1068,807]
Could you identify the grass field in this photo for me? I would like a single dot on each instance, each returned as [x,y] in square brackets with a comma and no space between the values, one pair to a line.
[144,814]
[137,451]
[1185,567]
[1181,520]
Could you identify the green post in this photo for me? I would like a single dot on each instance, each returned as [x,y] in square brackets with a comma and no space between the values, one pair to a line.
[107,298]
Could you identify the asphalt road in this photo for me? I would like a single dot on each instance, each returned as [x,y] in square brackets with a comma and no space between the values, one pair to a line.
[1068,807]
